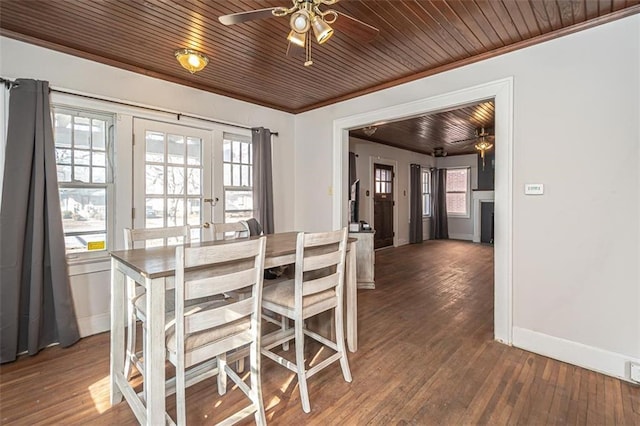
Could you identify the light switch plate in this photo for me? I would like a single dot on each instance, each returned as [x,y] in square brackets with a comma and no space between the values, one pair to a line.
[533,189]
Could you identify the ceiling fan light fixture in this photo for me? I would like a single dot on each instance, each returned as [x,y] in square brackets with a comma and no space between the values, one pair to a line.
[191,60]
[321,29]
[300,21]
[369,130]
[297,38]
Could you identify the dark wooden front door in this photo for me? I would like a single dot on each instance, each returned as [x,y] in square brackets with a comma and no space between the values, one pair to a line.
[383,205]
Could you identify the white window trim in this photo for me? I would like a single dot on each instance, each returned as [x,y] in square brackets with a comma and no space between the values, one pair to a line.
[76,258]
[467,213]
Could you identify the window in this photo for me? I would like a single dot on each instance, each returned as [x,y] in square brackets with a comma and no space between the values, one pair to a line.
[237,157]
[426,192]
[84,154]
[457,192]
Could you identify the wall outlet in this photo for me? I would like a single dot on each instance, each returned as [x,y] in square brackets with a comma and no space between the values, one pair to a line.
[634,372]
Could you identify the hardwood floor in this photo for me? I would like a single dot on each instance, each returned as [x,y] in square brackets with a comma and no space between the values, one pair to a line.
[426,357]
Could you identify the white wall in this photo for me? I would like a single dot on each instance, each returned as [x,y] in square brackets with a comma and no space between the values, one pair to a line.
[370,152]
[90,281]
[576,292]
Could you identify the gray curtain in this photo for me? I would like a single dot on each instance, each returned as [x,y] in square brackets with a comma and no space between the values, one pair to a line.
[262,178]
[415,204]
[35,295]
[439,223]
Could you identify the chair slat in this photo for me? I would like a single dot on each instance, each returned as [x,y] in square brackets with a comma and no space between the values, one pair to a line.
[319,284]
[221,284]
[321,261]
[236,250]
[216,317]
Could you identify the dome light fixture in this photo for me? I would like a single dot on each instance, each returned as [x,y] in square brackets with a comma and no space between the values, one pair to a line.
[191,60]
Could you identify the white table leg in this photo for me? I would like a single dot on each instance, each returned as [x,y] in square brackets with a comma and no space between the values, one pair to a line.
[117,354]
[352,299]
[154,358]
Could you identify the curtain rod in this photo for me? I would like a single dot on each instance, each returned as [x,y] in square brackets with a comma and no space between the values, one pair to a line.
[10,83]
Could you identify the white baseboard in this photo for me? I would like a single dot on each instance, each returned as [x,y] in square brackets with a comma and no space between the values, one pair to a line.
[466,237]
[592,358]
[95,324]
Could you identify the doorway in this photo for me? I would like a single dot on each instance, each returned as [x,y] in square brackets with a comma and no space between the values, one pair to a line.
[383,175]
[502,92]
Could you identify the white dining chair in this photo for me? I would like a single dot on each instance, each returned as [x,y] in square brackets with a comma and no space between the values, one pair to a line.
[217,231]
[210,330]
[136,307]
[318,287]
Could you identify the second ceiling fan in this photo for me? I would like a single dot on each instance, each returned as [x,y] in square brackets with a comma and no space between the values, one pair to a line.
[308,21]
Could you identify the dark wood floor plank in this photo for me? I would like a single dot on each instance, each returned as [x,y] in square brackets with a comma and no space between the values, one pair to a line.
[426,356]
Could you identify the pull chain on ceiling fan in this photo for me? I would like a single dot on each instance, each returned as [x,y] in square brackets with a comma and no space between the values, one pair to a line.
[307,17]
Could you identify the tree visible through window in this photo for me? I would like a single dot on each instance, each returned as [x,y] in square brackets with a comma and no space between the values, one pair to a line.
[84,153]
[457,192]
[237,157]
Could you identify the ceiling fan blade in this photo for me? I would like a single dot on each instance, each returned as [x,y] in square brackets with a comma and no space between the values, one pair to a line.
[354,28]
[252,15]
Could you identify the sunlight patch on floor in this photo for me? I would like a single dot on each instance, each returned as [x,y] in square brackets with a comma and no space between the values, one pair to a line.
[100,394]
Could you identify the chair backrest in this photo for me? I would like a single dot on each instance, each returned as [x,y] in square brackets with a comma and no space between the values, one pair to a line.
[209,271]
[320,263]
[151,237]
[226,231]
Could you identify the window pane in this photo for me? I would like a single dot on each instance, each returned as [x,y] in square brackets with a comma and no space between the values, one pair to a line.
[64,173]
[245,153]
[175,149]
[81,132]
[63,156]
[194,185]
[238,200]
[457,203]
[175,212]
[227,174]
[99,159]
[245,176]
[154,179]
[195,212]
[457,180]
[81,174]
[82,157]
[236,175]
[154,213]
[155,147]
[99,175]
[99,136]
[175,180]
[226,151]
[84,212]
[194,151]
[63,130]
[235,152]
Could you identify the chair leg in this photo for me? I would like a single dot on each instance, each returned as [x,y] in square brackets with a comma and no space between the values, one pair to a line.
[181,418]
[222,374]
[302,375]
[256,385]
[344,361]
[131,328]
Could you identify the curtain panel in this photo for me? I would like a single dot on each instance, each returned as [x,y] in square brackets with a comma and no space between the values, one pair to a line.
[262,178]
[35,295]
[439,222]
[415,204]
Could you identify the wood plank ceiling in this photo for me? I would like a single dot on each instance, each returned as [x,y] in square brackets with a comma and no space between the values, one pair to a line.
[249,61]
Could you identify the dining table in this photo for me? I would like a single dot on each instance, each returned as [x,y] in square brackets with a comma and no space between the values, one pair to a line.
[149,267]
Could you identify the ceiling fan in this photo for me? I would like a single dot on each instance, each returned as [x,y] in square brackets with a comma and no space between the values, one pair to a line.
[480,135]
[307,21]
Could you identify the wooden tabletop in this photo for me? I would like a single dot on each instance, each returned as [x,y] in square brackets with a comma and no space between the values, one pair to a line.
[157,262]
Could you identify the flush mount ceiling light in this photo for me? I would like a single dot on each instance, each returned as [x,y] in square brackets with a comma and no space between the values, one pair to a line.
[191,60]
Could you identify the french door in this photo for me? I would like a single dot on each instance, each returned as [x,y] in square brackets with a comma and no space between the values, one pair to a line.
[172,176]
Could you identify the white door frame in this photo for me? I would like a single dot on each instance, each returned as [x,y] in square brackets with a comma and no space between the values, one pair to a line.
[502,92]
